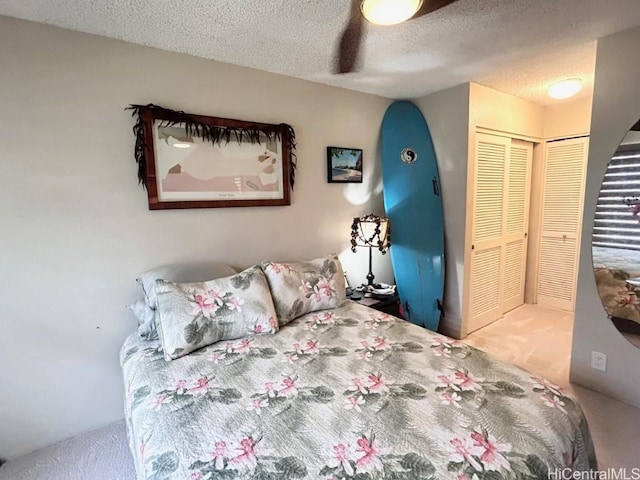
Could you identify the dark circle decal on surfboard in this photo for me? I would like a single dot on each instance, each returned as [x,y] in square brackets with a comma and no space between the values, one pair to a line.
[408,155]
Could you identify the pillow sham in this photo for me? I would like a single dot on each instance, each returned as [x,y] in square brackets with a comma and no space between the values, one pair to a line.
[146,319]
[181,272]
[303,287]
[193,315]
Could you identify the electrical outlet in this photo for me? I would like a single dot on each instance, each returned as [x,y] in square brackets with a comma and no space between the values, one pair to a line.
[599,361]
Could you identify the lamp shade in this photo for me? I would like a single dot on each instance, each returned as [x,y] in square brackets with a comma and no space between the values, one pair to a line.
[371,231]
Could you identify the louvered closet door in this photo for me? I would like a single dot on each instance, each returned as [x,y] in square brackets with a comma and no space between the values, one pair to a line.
[561,222]
[488,214]
[518,178]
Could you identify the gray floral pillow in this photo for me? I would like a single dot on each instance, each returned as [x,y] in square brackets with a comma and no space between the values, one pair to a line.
[181,272]
[303,287]
[194,315]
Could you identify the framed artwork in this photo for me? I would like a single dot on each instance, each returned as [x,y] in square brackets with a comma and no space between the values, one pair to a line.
[344,165]
[195,161]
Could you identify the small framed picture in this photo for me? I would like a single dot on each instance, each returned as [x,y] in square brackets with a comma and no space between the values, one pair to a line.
[344,165]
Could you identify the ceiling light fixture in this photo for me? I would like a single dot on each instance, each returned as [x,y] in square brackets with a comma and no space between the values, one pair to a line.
[182,145]
[565,89]
[389,12]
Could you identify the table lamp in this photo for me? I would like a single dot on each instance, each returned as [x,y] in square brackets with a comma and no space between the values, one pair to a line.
[371,231]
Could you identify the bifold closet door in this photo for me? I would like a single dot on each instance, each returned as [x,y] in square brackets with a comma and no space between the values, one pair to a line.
[562,201]
[499,219]
[518,189]
[484,286]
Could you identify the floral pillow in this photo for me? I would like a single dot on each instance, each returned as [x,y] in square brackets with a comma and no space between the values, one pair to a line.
[303,287]
[181,272]
[193,315]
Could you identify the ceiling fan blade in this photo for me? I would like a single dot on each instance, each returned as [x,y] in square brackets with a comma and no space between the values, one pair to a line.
[349,46]
[429,6]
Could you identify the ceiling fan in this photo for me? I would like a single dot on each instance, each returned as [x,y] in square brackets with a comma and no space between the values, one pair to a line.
[383,12]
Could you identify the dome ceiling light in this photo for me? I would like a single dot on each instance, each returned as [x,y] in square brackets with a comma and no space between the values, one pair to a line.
[565,89]
[389,12]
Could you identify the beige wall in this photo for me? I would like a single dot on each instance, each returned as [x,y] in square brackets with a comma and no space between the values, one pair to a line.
[616,107]
[568,119]
[493,110]
[75,226]
[447,114]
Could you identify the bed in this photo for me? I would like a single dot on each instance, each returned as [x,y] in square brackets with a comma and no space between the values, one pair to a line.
[617,271]
[346,393]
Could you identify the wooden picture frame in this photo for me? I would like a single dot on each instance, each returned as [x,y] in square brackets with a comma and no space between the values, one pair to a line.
[344,165]
[197,161]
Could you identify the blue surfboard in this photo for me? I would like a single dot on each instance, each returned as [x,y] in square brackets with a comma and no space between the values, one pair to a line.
[413,204]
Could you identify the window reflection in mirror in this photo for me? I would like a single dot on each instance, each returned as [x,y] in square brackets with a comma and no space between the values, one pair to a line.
[616,238]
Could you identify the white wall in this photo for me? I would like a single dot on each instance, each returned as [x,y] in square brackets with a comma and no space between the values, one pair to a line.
[75,229]
[447,114]
[616,107]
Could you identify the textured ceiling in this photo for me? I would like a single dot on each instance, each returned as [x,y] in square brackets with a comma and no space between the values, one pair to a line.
[515,46]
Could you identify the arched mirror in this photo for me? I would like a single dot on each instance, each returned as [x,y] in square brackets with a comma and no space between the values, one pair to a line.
[616,238]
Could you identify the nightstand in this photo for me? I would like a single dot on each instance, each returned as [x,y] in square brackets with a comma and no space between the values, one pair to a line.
[388,304]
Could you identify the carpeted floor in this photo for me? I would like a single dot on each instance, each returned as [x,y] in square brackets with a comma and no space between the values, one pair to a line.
[99,455]
[536,338]
[539,339]
[533,337]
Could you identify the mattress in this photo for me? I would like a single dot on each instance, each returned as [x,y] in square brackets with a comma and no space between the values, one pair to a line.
[341,394]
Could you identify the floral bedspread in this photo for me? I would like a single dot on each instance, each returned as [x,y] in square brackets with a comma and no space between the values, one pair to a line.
[349,393]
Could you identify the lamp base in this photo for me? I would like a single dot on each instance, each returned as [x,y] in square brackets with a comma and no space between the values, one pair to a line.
[370,275]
